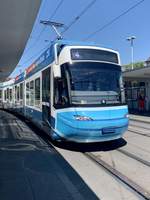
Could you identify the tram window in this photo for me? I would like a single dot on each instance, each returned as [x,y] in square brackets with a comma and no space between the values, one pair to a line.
[61,98]
[21,91]
[32,93]
[0,94]
[142,84]
[17,93]
[10,94]
[5,95]
[37,92]
[27,94]
[94,54]
[46,85]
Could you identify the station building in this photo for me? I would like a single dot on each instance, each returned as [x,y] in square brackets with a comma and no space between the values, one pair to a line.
[137,82]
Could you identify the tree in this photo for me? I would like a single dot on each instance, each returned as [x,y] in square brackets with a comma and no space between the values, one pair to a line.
[136,65]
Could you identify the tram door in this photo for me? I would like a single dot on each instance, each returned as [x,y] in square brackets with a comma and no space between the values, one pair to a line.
[46,96]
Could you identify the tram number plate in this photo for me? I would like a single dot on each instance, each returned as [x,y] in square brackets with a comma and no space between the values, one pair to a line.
[108,130]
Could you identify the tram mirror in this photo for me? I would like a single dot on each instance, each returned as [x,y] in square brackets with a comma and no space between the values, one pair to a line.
[57,71]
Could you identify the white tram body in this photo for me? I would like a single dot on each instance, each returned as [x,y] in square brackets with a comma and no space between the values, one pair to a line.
[74,91]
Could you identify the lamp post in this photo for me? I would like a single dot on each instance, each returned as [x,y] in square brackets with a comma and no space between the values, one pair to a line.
[131,39]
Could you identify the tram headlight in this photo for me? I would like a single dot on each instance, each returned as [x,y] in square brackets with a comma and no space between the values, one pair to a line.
[126,115]
[82,118]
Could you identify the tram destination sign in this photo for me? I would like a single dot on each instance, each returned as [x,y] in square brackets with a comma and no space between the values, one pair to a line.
[94,54]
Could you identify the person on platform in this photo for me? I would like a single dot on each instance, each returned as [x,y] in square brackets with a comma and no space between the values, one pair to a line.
[141,103]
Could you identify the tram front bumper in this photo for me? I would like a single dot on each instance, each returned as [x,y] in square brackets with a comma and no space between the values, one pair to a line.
[91,131]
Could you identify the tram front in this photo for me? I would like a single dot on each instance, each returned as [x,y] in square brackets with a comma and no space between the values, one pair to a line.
[89,103]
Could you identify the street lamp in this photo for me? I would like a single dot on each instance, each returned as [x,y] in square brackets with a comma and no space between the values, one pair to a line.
[131,39]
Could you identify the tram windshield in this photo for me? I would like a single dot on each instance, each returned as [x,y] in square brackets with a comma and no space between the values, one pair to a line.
[92,83]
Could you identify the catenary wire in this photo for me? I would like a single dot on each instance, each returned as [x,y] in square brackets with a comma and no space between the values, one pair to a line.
[79,16]
[44,28]
[113,20]
[42,7]
[39,52]
[35,55]
[68,27]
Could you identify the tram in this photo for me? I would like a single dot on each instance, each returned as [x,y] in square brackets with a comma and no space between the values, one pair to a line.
[73,91]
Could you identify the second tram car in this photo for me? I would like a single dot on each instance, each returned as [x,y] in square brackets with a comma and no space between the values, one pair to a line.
[74,91]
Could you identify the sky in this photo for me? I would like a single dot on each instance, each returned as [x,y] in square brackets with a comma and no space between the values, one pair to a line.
[135,22]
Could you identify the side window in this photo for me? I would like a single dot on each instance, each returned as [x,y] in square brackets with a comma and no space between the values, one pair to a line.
[37,92]
[21,91]
[10,94]
[15,93]
[61,98]
[27,94]
[46,85]
[32,93]
[5,94]
[0,94]
[18,93]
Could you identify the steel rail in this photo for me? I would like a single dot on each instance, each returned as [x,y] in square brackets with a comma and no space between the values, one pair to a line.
[140,126]
[138,120]
[144,162]
[138,133]
[123,178]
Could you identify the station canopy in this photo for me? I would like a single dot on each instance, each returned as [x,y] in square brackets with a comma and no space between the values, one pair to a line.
[143,72]
[17,18]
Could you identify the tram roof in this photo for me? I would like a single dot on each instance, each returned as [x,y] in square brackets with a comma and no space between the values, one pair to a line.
[80,43]
[43,60]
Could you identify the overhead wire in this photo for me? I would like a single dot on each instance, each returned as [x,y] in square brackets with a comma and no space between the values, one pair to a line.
[42,7]
[79,16]
[44,27]
[66,29]
[113,20]
[35,55]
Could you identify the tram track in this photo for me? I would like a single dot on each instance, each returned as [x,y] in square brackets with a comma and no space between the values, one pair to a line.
[138,126]
[144,162]
[138,133]
[139,121]
[117,174]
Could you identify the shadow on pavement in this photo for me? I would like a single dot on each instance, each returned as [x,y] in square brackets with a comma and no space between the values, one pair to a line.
[30,168]
[91,147]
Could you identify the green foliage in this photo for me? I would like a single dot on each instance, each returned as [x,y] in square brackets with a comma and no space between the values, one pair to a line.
[136,65]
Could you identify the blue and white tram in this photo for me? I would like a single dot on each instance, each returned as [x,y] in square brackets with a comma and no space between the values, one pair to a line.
[75,92]
[6,94]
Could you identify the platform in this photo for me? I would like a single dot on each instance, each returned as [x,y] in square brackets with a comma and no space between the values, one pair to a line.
[140,118]
[30,168]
